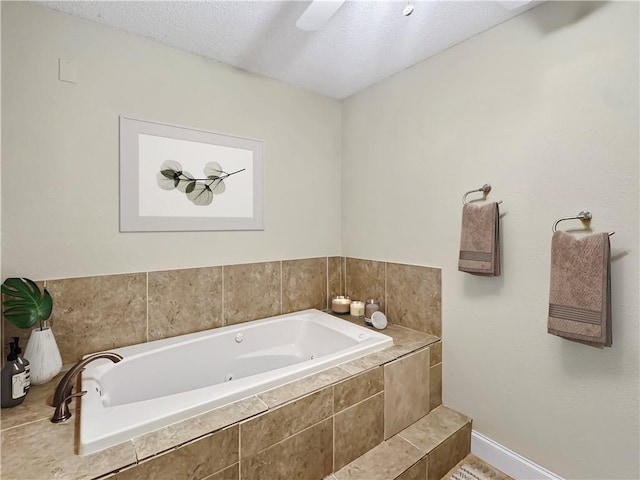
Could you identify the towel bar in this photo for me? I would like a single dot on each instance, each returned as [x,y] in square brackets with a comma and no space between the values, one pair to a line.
[584,215]
[485,189]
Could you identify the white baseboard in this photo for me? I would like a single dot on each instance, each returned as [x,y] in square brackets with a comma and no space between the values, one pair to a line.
[509,462]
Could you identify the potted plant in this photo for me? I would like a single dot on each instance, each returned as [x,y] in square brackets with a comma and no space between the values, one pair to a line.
[26,306]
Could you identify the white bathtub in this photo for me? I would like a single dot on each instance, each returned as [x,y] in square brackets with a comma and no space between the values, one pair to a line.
[165,381]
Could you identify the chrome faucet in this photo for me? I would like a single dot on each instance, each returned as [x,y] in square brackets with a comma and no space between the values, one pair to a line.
[63,395]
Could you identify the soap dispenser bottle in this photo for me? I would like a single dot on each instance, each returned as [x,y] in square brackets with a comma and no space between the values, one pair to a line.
[25,363]
[13,379]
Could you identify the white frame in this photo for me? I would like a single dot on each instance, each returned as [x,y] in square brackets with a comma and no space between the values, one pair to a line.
[132,221]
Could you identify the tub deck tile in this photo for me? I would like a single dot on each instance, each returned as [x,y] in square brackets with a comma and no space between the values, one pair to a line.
[388,460]
[302,387]
[430,431]
[178,433]
[46,450]
[37,405]
[368,362]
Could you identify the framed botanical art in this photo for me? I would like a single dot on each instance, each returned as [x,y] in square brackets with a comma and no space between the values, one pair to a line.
[176,178]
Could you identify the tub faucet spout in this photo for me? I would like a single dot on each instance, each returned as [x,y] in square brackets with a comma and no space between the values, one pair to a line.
[63,395]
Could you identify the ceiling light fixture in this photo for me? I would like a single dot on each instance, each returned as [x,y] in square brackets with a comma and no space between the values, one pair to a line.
[408,10]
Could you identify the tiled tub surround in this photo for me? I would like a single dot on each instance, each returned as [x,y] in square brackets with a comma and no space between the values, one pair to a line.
[100,313]
[306,429]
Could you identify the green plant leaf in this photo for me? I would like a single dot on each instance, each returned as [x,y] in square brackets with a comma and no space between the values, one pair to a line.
[28,305]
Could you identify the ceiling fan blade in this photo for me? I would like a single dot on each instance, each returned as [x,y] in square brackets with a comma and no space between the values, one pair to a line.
[318,13]
[513,4]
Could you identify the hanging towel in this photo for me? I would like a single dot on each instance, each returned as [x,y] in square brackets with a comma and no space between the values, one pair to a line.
[580,291]
[479,244]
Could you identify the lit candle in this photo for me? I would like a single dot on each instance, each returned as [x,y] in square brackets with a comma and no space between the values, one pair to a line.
[340,304]
[357,308]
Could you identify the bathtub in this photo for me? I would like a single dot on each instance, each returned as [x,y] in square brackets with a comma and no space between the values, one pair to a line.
[165,381]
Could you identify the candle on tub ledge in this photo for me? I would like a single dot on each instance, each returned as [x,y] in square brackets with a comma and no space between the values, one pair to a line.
[357,308]
[340,304]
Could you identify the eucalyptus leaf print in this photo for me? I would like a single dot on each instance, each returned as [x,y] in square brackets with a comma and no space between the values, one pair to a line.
[199,191]
[201,194]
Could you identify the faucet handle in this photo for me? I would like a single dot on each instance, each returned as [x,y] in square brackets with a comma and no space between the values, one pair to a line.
[62,413]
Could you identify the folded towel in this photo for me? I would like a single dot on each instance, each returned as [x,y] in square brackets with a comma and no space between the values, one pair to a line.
[479,244]
[580,292]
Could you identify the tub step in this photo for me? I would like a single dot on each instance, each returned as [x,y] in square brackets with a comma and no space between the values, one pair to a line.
[426,450]
[474,467]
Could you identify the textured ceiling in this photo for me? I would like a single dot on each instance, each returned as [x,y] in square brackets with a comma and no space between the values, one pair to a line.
[363,43]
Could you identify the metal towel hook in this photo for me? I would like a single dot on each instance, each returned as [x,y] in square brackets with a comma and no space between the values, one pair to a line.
[584,215]
[485,189]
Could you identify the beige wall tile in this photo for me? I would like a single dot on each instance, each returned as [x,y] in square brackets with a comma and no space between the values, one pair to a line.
[306,455]
[304,284]
[416,472]
[435,386]
[358,429]
[98,313]
[445,456]
[436,352]
[365,279]
[357,388]
[335,279]
[275,425]
[406,388]
[230,473]
[251,291]
[184,301]
[414,297]
[192,461]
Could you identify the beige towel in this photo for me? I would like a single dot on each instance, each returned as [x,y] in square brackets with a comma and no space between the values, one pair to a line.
[580,291]
[479,245]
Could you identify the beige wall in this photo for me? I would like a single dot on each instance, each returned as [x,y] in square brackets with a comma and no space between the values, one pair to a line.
[60,155]
[544,107]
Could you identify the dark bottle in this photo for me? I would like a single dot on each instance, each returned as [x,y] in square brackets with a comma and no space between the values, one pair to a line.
[25,364]
[13,379]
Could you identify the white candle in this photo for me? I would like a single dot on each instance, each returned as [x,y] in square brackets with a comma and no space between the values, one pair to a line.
[340,304]
[357,308]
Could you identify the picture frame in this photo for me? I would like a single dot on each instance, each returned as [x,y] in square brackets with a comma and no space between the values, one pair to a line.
[176,178]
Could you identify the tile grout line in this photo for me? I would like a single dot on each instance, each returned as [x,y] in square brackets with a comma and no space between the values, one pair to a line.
[326,304]
[399,434]
[281,280]
[224,320]
[239,451]
[345,275]
[147,287]
[386,303]
[364,400]
[333,428]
